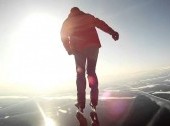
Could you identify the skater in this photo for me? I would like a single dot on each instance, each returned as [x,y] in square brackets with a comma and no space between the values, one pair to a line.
[80,38]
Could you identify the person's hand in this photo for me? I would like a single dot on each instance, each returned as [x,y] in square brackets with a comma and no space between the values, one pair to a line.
[70,52]
[115,35]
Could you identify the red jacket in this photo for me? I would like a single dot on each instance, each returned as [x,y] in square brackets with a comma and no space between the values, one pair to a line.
[78,31]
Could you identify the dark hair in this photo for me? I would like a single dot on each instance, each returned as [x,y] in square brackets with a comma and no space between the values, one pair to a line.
[74,9]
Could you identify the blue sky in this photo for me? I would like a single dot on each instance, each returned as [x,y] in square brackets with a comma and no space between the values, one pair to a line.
[31,52]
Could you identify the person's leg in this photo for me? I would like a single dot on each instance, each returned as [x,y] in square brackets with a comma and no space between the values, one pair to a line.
[80,61]
[92,55]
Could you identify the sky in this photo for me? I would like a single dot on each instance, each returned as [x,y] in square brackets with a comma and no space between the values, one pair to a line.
[33,59]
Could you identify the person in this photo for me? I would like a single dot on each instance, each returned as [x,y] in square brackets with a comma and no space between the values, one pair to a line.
[80,38]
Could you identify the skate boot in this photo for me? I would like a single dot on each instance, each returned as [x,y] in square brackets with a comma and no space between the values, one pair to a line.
[79,108]
[93,107]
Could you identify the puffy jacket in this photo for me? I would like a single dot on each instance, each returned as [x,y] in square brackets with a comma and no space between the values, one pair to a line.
[78,31]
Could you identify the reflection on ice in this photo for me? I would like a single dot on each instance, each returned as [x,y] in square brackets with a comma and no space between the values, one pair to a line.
[13,97]
[161,92]
[62,111]
[6,117]
[167,80]
[49,122]
[60,97]
[143,87]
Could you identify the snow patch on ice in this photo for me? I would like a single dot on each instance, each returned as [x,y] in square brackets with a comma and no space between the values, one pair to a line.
[167,80]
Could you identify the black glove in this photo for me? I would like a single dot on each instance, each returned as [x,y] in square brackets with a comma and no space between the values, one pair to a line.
[70,52]
[115,35]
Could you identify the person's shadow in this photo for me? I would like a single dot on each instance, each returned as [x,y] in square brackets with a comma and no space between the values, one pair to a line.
[94,119]
[83,121]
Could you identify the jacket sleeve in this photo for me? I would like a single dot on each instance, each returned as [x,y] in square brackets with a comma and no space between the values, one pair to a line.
[103,26]
[65,37]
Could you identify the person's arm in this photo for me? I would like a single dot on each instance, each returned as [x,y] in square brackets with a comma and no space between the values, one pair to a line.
[104,27]
[65,38]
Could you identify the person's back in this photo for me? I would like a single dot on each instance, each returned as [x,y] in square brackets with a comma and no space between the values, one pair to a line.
[81,29]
